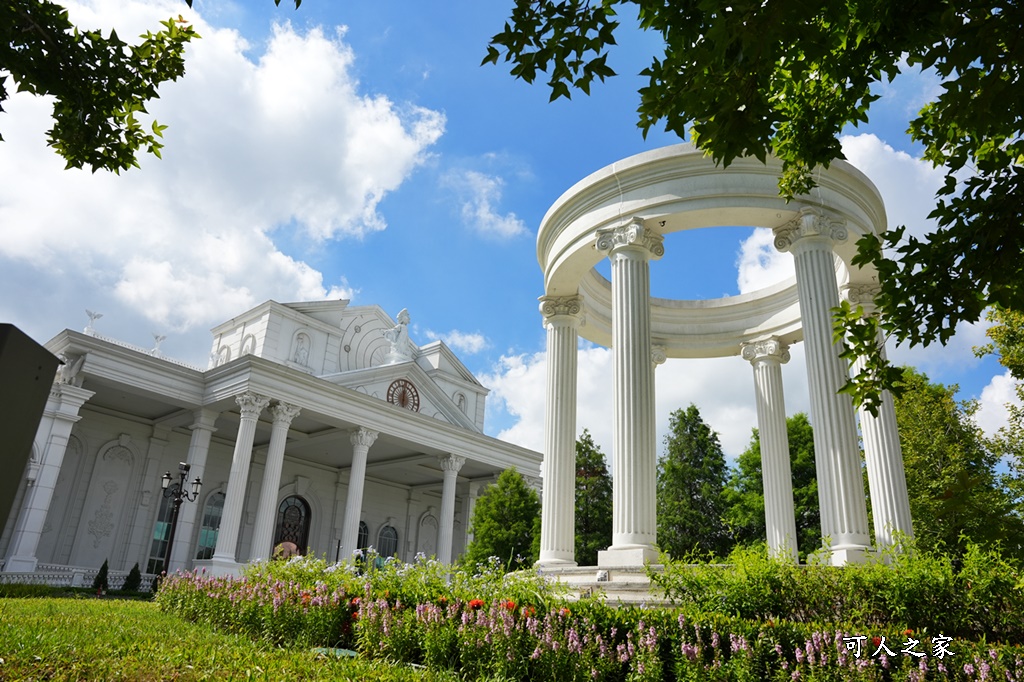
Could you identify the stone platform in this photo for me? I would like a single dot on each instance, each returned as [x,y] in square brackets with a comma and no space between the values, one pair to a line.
[625,586]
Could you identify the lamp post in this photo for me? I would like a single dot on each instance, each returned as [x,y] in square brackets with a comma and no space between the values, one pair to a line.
[177,494]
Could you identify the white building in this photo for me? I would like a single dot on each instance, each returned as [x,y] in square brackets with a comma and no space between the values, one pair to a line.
[316,423]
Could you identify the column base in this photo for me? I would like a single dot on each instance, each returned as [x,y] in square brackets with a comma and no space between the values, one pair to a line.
[21,564]
[554,562]
[840,556]
[221,566]
[627,556]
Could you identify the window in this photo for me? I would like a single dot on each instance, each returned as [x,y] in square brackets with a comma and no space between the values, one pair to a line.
[293,523]
[387,541]
[364,535]
[158,547]
[212,513]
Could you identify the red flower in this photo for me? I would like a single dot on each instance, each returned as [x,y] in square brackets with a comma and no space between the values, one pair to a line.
[908,632]
[564,611]
[529,611]
[876,640]
[355,601]
[442,600]
[510,605]
[476,603]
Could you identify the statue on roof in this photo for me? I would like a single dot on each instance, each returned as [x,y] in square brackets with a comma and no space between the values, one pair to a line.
[398,336]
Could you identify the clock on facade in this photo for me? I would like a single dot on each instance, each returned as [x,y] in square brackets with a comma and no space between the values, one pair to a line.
[403,393]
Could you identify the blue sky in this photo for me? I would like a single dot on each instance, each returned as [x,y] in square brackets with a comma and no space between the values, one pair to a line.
[359,150]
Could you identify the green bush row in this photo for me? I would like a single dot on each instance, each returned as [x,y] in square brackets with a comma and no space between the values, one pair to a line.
[981,595]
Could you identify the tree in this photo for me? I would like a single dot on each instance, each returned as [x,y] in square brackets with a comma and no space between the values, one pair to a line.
[100,84]
[691,479]
[100,582]
[133,581]
[744,494]
[504,523]
[593,501]
[955,496]
[786,78]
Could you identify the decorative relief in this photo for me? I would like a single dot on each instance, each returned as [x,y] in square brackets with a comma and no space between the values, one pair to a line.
[551,306]
[70,372]
[362,437]
[403,393]
[658,355]
[634,233]
[103,521]
[118,453]
[398,336]
[451,462]
[809,223]
[251,404]
[248,345]
[862,295]
[302,345]
[767,348]
[284,413]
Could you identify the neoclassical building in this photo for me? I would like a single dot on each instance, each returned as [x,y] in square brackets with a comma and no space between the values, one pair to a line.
[623,213]
[319,424]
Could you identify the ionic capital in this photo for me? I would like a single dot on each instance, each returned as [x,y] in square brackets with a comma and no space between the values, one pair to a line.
[634,235]
[767,349]
[284,413]
[809,223]
[658,355]
[362,436]
[251,404]
[862,295]
[451,462]
[568,308]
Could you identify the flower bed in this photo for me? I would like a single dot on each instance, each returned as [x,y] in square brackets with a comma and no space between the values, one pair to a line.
[518,627]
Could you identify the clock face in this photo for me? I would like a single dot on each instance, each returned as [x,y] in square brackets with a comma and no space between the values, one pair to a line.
[401,392]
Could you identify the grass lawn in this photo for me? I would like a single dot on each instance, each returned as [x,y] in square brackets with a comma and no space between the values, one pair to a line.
[112,639]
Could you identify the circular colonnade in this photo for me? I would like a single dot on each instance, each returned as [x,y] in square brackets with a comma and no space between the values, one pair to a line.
[623,212]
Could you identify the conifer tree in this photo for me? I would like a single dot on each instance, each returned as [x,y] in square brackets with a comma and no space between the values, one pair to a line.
[593,501]
[691,479]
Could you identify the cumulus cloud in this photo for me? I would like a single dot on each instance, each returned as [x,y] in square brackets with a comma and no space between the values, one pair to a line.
[283,143]
[992,405]
[468,343]
[479,195]
[721,388]
[759,264]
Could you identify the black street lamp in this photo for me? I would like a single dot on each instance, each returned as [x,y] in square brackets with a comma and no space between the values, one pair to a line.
[177,494]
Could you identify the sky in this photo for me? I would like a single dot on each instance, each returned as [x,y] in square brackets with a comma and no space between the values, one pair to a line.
[359,150]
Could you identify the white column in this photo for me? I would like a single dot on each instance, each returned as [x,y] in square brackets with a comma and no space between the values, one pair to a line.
[450,464]
[361,439]
[767,358]
[887,481]
[223,560]
[634,513]
[263,535]
[198,449]
[59,415]
[563,315]
[844,516]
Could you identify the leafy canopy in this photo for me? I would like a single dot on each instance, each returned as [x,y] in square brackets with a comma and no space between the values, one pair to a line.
[505,521]
[752,78]
[100,84]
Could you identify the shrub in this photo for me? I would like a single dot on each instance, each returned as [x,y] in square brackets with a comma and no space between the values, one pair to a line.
[133,581]
[100,582]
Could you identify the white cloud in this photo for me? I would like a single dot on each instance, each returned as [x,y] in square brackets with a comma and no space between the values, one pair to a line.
[286,145]
[721,388]
[759,264]
[479,195]
[468,343]
[992,411]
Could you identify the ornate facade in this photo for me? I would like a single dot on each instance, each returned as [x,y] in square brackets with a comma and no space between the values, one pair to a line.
[316,424]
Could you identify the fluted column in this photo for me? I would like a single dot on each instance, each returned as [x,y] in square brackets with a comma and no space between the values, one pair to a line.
[563,316]
[887,481]
[198,449]
[450,464]
[59,415]
[361,440]
[844,518]
[634,514]
[282,415]
[223,561]
[767,358]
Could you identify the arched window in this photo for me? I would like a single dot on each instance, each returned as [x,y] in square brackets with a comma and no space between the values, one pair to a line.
[364,535]
[211,526]
[158,547]
[293,523]
[387,541]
